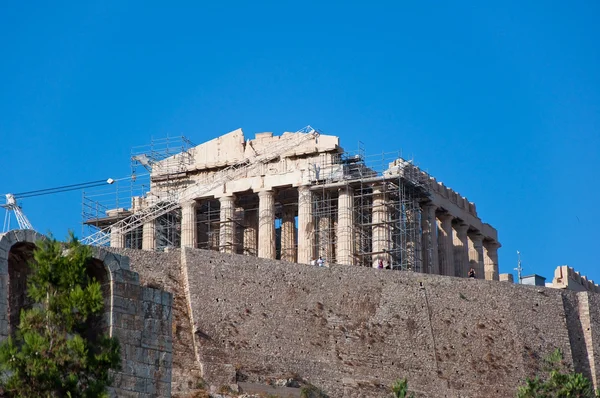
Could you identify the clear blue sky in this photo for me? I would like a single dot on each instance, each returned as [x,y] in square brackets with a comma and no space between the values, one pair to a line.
[501,101]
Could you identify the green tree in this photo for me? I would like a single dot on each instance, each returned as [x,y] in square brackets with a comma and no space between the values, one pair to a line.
[57,349]
[558,381]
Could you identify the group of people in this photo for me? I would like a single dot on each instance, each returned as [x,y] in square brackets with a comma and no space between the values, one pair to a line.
[380,264]
[318,262]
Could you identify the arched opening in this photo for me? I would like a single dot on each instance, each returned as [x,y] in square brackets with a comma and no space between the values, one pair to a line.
[99,324]
[19,257]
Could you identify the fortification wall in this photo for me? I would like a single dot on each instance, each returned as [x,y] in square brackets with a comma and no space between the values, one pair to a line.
[353,330]
[163,270]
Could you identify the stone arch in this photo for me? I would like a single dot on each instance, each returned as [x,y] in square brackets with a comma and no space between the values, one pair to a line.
[16,250]
[20,256]
[100,324]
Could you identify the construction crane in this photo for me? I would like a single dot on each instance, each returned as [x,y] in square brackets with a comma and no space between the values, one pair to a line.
[173,202]
[12,206]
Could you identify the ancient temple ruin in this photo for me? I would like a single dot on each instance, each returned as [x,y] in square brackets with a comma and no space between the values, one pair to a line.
[298,197]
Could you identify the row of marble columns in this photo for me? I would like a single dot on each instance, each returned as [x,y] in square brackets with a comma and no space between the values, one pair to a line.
[446,245]
[451,247]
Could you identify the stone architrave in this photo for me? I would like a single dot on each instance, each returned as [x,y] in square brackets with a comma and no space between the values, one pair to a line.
[306,237]
[345,227]
[476,254]
[461,250]
[266,224]
[490,260]
[227,242]
[445,245]
[188,224]
[149,235]
[288,233]
[251,232]
[430,242]
[381,227]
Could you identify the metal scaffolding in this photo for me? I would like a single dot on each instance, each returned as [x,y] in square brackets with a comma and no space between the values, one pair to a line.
[387,191]
[166,159]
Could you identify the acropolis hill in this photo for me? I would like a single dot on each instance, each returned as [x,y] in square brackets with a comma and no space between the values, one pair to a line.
[210,276]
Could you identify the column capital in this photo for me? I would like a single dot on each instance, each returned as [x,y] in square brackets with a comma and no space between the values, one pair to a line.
[265,192]
[428,206]
[190,204]
[491,244]
[476,236]
[346,189]
[445,217]
[378,188]
[461,228]
[303,188]
[227,198]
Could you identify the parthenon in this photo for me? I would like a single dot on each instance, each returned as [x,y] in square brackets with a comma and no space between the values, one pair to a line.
[313,200]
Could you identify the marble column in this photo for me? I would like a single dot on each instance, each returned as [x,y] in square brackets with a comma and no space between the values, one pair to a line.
[461,250]
[325,234]
[490,260]
[306,237]
[345,227]
[203,240]
[188,224]
[288,233]
[476,254]
[381,227]
[117,239]
[412,254]
[238,217]
[149,235]
[445,246]
[266,224]
[251,232]
[430,242]
[227,225]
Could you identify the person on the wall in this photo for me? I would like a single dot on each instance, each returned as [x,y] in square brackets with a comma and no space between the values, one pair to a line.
[472,273]
[380,263]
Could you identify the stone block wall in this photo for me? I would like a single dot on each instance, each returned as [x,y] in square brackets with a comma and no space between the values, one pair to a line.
[139,316]
[163,271]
